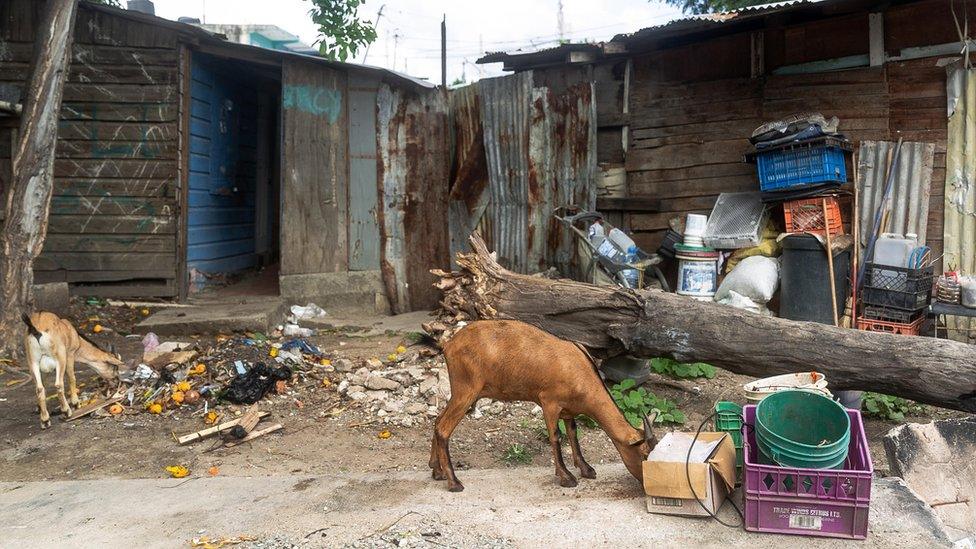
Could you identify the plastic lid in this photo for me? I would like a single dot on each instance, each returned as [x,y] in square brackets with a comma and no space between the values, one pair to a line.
[687,248]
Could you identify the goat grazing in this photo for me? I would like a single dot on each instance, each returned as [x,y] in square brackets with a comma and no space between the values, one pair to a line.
[53,345]
[510,360]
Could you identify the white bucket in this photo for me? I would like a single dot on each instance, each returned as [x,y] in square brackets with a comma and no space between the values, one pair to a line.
[695,229]
[814,382]
[697,276]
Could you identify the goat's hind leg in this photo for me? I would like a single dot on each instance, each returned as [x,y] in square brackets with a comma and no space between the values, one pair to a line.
[72,382]
[59,384]
[585,470]
[35,368]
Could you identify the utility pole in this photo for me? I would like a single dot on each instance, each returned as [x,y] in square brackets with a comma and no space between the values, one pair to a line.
[396,40]
[560,23]
[376,25]
[444,51]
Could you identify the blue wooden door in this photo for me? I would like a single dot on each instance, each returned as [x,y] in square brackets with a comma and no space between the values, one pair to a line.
[223,139]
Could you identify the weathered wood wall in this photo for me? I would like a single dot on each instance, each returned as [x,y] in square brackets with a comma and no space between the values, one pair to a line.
[113,213]
[315,168]
[692,108]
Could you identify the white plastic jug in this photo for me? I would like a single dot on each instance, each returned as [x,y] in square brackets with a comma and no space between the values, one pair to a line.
[620,239]
[893,249]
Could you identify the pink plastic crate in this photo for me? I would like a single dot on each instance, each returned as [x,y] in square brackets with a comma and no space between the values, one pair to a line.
[810,502]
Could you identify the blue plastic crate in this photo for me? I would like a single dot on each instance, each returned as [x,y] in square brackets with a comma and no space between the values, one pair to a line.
[800,165]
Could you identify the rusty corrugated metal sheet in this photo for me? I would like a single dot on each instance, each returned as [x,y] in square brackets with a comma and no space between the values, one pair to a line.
[412,141]
[505,114]
[562,170]
[539,154]
[910,191]
[960,197]
[469,180]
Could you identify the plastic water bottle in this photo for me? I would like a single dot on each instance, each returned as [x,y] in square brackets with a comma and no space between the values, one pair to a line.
[632,276]
[596,233]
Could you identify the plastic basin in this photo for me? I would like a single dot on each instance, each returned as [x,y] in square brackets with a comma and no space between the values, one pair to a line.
[802,429]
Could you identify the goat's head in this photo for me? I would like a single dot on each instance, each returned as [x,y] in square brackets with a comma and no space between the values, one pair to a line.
[635,452]
[105,363]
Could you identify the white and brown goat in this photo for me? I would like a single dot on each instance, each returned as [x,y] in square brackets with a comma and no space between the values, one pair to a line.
[53,345]
[509,360]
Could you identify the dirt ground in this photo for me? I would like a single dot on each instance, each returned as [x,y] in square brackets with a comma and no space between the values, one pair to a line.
[323,431]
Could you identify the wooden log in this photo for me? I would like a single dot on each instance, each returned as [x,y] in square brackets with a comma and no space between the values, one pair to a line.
[254,434]
[611,321]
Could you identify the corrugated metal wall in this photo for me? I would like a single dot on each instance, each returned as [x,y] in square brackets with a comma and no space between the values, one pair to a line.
[539,154]
[910,191]
[412,139]
[223,141]
[960,194]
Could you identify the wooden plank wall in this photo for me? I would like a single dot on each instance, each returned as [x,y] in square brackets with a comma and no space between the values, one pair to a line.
[113,213]
[693,108]
[315,169]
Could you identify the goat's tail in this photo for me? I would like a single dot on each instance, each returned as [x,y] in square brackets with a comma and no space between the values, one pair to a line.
[423,339]
[31,329]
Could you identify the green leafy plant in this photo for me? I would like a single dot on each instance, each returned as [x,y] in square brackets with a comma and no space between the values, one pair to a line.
[637,402]
[341,31]
[517,454]
[888,407]
[673,368]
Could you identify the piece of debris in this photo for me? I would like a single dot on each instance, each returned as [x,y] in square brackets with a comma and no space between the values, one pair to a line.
[254,434]
[211,431]
[252,386]
[85,410]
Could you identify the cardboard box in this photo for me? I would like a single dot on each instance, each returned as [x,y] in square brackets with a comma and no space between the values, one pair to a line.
[713,478]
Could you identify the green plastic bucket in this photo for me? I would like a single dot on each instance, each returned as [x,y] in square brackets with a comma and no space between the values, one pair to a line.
[803,429]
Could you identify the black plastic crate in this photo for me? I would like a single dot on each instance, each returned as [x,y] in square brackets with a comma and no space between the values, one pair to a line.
[893,299]
[885,314]
[899,279]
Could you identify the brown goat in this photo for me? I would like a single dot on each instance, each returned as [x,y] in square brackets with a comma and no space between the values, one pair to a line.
[510,360]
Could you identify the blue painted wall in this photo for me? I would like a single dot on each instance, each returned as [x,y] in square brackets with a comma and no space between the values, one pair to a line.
[223,141]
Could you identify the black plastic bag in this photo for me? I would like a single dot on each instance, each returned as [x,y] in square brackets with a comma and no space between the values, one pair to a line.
[252,386]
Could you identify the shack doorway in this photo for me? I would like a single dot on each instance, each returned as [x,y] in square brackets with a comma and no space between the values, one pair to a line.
[233,192]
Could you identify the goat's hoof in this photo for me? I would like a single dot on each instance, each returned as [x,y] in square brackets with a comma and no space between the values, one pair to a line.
[568,482]
[455,487]
[45,423]
[66,412]
[587,472]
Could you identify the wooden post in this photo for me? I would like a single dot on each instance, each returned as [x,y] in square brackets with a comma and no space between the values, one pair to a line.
[830,262]
[28,200]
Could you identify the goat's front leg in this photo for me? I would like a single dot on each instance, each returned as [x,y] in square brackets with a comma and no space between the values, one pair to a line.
[72,383]
[551,413]
[585,470]
[59,384]
[35,366]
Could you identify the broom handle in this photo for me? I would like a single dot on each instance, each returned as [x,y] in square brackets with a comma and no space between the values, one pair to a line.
[830,263]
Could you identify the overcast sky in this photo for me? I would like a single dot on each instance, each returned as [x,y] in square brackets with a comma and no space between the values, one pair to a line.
[409,30]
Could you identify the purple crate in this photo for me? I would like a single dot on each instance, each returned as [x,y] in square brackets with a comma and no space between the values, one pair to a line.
[810,502]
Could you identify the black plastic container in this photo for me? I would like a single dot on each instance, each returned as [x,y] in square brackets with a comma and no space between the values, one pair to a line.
[897,287]
[805,285]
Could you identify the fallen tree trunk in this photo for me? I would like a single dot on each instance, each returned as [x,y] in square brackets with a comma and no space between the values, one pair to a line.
[610,321]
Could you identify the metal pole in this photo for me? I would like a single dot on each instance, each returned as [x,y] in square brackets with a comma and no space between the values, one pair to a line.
[444,51]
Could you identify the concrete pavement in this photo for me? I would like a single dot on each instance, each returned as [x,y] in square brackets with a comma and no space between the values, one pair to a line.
[523,505]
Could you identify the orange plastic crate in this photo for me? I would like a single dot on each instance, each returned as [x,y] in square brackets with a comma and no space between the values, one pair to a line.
[895,328]
[807,216]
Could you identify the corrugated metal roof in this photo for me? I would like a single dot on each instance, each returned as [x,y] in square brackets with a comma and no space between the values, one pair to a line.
[256,52]
[680,25]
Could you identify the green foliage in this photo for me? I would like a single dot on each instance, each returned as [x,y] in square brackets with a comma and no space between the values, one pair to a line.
[113,3]
[713,6]
[669,367]
[341,31]
[888,407]
[541,433]
[517,454]
[637,402]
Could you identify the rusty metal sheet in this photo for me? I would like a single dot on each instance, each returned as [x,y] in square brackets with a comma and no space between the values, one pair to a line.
[540,154]
[959,231]
[505,111]
[911,186]
[469,180]
[412,142]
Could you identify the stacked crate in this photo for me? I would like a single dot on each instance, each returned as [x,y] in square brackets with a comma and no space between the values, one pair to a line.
[894,299]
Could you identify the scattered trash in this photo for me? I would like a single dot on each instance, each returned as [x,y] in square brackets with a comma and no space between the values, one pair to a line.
[384,434]
[98,405]
[211,431]
[211,417]
[208,543]
[197,370]
[97,329]
[239,365]
[291,329]
[115,409]
[252,386]
[213,471]
[177,471]
[155,408]
[307,312]
[149,342]
[191,397]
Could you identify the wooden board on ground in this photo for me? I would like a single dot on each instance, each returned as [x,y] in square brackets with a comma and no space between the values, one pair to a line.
[254,434]
[85,410]
[211,431]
